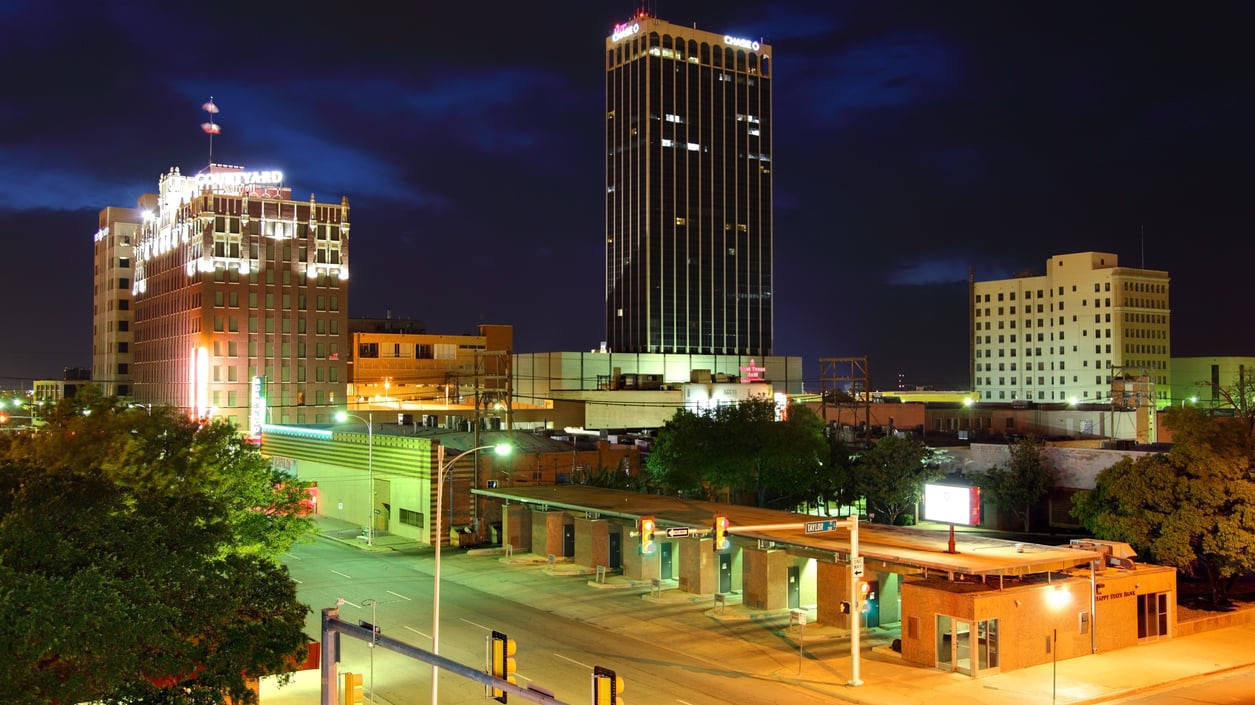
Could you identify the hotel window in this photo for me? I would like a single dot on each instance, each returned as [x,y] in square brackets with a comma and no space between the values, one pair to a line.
[219,299]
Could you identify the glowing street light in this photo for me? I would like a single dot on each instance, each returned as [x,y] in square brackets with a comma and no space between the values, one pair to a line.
[370,469]
[1056,599]
[443,467]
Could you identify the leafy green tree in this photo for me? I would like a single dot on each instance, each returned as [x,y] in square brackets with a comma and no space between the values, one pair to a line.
[1192,508]
[679,458]
[839,482]
[1025,481]
[892,474]
[741,447]
[138,559]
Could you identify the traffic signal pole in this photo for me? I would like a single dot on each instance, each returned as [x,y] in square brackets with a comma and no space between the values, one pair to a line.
[332,626]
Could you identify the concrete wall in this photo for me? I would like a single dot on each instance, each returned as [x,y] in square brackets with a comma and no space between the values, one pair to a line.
[592,542]
[699,566]
[765,575]
[1077,467]
[547,532]
[832,587]
[516,527]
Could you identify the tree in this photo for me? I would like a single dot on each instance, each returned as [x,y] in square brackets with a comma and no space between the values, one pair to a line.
[1240,397]
[1191,508]
[742,447]
[1023,483]
[892,475]
[679,458]
[138,559]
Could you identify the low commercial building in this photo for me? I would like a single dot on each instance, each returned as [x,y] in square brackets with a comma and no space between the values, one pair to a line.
[979,607]
[380,471]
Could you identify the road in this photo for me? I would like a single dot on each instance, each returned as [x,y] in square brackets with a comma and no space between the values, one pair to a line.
[1231,688]
[665,653]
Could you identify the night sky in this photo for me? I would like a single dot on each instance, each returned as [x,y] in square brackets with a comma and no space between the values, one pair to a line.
[913,140]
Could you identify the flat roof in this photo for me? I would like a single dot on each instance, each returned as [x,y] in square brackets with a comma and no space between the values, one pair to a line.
[912,546]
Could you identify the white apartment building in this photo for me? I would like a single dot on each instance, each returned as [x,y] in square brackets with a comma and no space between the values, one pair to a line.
[1064,336]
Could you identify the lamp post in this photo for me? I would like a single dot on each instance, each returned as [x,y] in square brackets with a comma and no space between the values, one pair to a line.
[442,468]
[370,470]
[1057,599]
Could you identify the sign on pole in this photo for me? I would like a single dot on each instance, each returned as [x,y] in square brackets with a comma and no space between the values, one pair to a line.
[857,566]
[818,527]
[678,531]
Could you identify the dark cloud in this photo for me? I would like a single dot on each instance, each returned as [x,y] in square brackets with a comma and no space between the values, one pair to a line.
[913,141]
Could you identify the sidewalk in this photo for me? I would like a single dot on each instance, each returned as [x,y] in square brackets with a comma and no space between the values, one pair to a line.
[886,680]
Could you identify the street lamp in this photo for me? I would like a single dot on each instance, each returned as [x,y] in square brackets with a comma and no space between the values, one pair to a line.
[370,469]
[1056,599]
[443,467]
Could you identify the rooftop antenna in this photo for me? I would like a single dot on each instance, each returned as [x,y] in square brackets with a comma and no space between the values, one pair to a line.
[211,128]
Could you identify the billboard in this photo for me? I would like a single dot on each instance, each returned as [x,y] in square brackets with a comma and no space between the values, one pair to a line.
[952,504]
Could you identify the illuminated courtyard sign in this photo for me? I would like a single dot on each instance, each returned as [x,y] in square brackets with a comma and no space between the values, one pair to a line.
[239,178]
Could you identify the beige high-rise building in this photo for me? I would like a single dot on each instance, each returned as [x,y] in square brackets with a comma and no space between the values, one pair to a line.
[1073,334]
[112,275]
[240,299]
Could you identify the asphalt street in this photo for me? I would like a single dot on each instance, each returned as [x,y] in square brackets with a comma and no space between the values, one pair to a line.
[666,653]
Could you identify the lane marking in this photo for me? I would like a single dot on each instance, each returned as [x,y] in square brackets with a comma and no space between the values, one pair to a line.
[683,701]
[577,663]
[425,636]
[342,575]
[473,624]
[350,604]
[298,582]
[403,597]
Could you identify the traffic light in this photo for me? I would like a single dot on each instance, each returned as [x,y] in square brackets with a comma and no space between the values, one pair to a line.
[647,526]
[844,607]
[501,664]
[864,593]
[353,689]
[720,532]
[606,687]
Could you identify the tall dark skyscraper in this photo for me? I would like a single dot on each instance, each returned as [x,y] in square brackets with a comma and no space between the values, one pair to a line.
[688,191]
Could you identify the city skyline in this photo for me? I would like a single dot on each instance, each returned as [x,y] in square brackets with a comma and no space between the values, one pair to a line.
[913,142]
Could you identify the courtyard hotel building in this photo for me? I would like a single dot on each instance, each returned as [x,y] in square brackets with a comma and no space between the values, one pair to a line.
[1083,329]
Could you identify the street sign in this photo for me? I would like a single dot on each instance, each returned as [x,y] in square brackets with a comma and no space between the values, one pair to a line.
[817,527]
[677,532]
[857,565]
